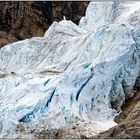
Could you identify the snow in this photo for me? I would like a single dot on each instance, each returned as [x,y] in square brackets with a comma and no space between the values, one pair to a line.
[84,71]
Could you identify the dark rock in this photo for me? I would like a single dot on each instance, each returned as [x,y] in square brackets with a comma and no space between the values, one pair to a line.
[27,19]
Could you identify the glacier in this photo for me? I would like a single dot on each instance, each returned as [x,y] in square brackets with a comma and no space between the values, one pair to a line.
[73,74]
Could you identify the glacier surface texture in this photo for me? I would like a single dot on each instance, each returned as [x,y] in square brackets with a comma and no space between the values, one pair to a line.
[73,73]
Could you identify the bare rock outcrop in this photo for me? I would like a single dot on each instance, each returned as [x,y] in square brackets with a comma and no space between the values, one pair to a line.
[6,38]
[27,19]
[128,121]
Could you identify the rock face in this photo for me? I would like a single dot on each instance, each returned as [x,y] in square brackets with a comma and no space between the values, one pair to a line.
[128,122]
[27,19]
[73,76]
[6,38]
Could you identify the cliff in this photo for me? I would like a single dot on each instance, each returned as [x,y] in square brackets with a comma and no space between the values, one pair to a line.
[27,19]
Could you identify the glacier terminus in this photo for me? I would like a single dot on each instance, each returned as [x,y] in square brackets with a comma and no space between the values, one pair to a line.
[74,73]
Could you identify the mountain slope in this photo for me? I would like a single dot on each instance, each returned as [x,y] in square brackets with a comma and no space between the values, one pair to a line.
[17,17]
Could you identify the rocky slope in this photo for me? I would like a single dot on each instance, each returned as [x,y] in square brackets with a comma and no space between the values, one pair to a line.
[128,122]
[6,38]
[73,81]
[27,19]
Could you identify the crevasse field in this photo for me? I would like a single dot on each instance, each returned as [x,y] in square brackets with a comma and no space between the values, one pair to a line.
[73,74]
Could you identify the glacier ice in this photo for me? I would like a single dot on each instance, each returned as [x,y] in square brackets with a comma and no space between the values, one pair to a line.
[85,71]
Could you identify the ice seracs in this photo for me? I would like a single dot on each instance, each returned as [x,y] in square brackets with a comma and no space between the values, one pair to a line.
[85,72]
